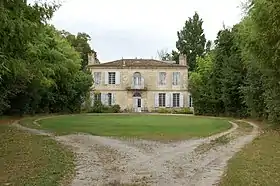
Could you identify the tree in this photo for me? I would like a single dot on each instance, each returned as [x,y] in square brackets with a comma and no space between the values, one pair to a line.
[191,40]
[81,44]
[164,55]
[41,71]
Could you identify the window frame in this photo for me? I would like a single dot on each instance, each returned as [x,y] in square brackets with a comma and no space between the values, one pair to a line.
[176,100]
[176,76]
[162,82]
[162,99]
[95,78]
[110,99]
[112,78]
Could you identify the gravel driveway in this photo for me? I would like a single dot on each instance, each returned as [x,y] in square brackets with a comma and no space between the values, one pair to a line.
[103,160]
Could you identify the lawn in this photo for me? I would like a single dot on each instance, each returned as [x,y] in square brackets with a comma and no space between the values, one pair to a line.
[155,127]
[28,159]
[258,164]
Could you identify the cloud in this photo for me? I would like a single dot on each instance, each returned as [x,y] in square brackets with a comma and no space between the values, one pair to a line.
[126,28]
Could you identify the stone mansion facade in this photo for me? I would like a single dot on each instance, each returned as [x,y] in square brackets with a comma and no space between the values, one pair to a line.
[141,84]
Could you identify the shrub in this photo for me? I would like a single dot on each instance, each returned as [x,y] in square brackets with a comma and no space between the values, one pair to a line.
[116,108]
[97,107]
[164,110]
[182,111]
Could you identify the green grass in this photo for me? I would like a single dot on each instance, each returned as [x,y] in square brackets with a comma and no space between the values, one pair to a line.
[28,159]
[258,164]
[154,127]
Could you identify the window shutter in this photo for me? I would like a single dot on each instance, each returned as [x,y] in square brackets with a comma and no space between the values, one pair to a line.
[92,98]
[156,100]
[142,82]
[171,100]
[118,78]
[103,99]
[179,78]
[181,100]
[167,100]
[158,79]
[106,78]
[113,98]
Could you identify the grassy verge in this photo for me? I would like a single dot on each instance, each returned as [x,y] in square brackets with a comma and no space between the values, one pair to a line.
[28,159]
[257,164]
[154,127]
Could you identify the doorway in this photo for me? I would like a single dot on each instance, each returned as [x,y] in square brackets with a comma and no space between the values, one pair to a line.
[137,102]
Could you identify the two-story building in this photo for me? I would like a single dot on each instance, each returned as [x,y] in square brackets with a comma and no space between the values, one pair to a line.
[141,84]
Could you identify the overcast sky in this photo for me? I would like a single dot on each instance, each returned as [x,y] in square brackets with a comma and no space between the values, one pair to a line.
[138,28]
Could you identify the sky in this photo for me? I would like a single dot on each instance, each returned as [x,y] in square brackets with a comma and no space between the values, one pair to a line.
[139,28]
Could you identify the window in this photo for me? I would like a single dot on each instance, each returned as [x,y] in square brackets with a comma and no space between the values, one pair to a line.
[97,96]
[110,99]
[190,101]
[112,77]
[137,78]
[176,100]
[176,78]
[161,99]
[97,78]
[162,78]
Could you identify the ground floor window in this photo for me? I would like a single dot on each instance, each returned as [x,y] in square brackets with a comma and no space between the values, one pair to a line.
[110,99]
[176,100]
[161,99]
[190,101]
[97,97]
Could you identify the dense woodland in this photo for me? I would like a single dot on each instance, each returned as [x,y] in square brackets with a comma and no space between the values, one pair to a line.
[44,70]
[239,75]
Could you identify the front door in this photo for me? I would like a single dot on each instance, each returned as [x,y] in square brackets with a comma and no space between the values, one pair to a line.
[139,100]
[137,104]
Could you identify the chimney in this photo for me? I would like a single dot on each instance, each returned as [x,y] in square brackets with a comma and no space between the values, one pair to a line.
[123,63]
[183,59]
[91,59]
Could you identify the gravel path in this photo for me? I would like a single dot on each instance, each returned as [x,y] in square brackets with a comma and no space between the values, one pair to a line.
[104,160]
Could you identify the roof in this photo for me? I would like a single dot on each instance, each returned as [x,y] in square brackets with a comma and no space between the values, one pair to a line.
[137,63]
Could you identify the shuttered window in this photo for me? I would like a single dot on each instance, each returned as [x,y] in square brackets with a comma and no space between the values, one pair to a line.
[161,99]
[111,77]
[176,100]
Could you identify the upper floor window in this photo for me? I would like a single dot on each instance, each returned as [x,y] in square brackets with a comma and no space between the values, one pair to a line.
[137,78]
[176,100]
[161,99]
[176,78]
[111,77]
[97,78]
[162,78]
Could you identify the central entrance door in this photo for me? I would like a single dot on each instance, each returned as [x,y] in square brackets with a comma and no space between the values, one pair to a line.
[137,102]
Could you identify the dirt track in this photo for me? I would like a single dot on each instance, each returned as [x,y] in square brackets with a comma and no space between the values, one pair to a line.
[103,160]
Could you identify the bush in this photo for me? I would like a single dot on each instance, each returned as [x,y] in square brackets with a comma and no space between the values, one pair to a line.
[182,111]
[98,107]
[164,110]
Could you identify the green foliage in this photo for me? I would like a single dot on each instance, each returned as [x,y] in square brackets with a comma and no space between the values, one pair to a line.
[41,70]
[240,76]
[81,44]
[98,107]
[174,111]
[191,40]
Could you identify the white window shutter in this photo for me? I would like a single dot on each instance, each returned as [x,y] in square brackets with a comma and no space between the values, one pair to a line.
[142,82]
[179,78]
[113,98]
[181,100]
[156,100]
[142,103]
[103,99]
[92,98]
[118,78]
[171,100]
[106,78]
[158,79]
[167,100]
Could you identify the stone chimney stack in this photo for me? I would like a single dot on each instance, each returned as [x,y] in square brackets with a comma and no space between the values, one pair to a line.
[182,59]
[92,59]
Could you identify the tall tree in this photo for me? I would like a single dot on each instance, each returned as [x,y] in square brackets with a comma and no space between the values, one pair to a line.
[191,40]
[81,44]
